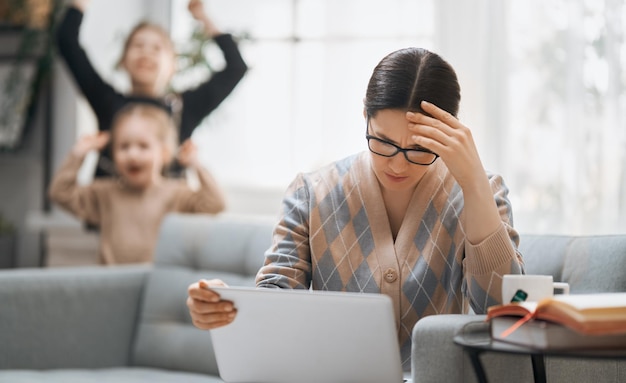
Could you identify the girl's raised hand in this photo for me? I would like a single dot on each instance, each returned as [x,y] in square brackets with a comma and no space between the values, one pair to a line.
[90,142]
[188,154]
[445,135]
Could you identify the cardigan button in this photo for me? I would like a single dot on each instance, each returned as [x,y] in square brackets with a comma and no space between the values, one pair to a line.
[391,275]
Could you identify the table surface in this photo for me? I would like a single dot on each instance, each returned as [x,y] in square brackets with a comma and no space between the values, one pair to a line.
[476,335]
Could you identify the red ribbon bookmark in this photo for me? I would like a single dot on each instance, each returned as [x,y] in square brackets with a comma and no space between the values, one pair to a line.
[516,325]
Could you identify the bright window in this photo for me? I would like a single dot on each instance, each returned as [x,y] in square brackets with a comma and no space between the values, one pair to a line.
[300,105]
[543,90]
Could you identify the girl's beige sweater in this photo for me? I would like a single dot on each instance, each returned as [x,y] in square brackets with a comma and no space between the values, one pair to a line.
[129,219]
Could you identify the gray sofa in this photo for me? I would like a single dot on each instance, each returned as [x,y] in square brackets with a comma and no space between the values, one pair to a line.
[130,324]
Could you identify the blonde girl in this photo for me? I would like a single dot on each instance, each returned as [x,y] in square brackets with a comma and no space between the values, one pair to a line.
[129,206]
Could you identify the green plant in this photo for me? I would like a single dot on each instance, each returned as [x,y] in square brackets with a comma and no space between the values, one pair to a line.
[192,53]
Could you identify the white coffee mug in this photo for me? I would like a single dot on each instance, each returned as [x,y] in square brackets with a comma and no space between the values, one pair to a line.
[536,287]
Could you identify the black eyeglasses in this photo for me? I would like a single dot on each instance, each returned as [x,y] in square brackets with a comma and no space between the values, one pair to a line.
[419,156]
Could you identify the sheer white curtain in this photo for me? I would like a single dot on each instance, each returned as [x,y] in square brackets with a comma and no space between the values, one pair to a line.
[547,104]
[543,89]
[567,106]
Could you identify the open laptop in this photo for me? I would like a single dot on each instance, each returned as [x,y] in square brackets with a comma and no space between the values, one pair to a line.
[302,336]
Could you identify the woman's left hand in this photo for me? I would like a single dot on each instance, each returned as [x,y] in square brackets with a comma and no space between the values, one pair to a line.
[445,135]
[198,12]
[452,141]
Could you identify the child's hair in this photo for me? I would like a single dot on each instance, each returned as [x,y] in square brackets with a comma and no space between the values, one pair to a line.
[146,25]
[163,122]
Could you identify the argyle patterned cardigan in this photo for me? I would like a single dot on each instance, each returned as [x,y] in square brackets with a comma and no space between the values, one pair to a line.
[334,234]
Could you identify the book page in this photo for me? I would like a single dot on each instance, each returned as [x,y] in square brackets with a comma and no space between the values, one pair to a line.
[590,301]
[587,307]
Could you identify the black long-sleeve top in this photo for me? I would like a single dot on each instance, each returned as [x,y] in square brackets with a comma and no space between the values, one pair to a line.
[105,101]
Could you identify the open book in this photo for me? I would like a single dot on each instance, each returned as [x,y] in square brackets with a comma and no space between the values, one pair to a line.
[544,335]
[602,314]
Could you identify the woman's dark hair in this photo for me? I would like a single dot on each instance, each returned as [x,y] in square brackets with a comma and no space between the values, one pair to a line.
[406,77]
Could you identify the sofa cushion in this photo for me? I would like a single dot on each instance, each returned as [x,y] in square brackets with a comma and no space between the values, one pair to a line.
[593,263]
[69,317]
[192,247]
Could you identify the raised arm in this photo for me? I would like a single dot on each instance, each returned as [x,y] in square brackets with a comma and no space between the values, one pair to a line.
[210,197]
[79,200]
[196,8]
[491,241]
[201,101]
[97,92]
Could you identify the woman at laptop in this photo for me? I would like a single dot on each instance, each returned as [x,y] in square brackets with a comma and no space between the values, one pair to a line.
[414,216]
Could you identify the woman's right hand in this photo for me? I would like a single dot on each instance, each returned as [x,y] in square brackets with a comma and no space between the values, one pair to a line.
[208,311]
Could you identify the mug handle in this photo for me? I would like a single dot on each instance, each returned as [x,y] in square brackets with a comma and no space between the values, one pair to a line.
[563,286]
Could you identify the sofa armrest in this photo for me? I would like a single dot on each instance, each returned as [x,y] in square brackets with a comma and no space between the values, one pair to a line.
[436,358]
[69,317]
